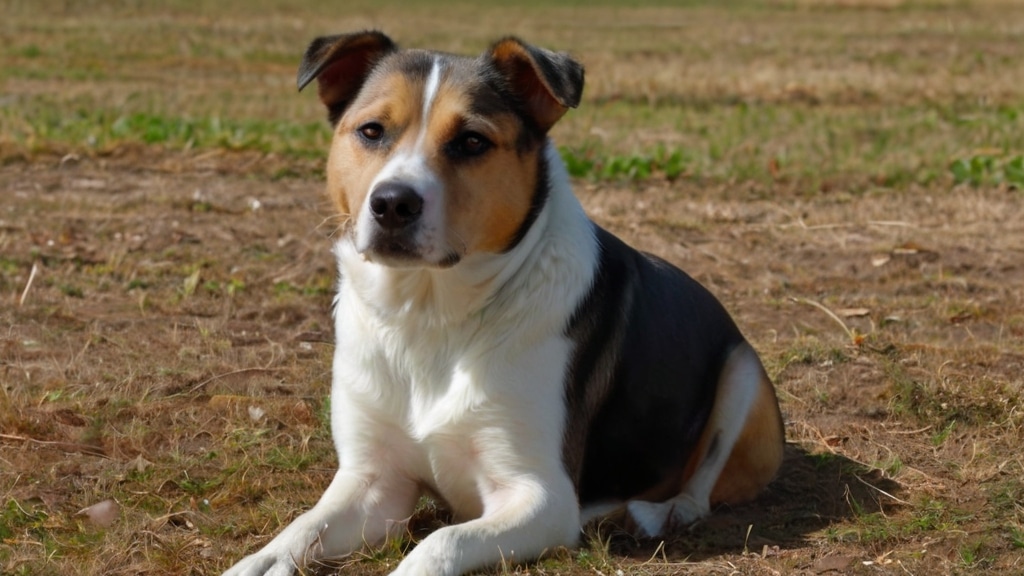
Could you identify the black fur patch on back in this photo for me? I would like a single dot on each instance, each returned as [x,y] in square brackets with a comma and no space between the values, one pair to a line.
[650,345]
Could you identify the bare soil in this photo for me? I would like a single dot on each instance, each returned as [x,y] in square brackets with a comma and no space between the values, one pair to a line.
[172,351]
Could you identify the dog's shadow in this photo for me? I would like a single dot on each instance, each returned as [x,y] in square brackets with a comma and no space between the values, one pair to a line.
[812,492]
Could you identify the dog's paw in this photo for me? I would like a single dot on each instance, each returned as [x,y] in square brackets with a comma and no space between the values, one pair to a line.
[649,517]
[263,563]
[407,568]
[431,557]
[654,519]
[422,565]
[281,557]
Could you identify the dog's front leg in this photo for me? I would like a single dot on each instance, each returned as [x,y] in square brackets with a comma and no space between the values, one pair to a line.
[529,504]
[521,521]
[356,509]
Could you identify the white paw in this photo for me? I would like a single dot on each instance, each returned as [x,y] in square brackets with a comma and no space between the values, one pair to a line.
[650,517]
[656,518]
[263,563]
[280,556]
[422,562]
[686,510]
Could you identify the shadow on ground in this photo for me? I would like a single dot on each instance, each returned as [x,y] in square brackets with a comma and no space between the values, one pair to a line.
[811,493]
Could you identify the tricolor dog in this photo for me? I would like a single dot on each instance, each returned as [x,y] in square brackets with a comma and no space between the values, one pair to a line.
[495,347]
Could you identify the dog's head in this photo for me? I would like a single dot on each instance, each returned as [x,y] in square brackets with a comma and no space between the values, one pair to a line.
[435,156]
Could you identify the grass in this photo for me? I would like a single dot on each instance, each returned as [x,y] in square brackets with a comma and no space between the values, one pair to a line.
[656,105]
[983,169]
[173,351]
[91,129]
[819,147]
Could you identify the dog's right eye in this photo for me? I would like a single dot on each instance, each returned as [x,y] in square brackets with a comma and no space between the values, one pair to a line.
[371,132]
[469,145]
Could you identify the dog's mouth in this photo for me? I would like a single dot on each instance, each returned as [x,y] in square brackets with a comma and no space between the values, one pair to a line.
[393,248]
[386,246]
[401,250]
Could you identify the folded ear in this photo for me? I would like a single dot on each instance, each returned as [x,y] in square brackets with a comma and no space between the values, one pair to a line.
[547,83]
[341,64]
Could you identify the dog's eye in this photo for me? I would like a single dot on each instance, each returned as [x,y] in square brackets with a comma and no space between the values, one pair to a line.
[469,144]
[371,131]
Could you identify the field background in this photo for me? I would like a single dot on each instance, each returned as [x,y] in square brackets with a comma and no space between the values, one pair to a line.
[845,175]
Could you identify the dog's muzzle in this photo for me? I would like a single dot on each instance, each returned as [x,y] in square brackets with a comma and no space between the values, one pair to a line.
[396,209]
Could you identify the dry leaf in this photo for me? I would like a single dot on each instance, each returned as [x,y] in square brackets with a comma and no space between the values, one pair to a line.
[837,563]
[908,248]
[835,440]
[102,514]
[256,413]
[853,312]
[140,464]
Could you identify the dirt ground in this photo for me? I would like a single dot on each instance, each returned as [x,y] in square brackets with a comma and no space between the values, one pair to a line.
[171,351]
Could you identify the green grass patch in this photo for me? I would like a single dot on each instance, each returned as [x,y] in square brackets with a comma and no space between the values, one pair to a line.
[288,459]
[985,169]
[17,517]
[589,162]
[320,286]
[813,352]
[1017,537]
[199,487]
[99,130]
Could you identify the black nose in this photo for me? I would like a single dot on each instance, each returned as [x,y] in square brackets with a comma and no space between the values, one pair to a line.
[395,205]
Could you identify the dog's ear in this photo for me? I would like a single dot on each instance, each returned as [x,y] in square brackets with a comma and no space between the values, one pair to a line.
[547,83]
[341,64]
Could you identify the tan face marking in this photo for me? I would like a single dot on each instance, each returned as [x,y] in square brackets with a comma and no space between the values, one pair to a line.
[391,101]
[487,197]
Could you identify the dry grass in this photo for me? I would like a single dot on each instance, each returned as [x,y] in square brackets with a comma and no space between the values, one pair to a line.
[172,348]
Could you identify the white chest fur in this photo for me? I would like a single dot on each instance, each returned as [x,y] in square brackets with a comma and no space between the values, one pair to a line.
[454,378]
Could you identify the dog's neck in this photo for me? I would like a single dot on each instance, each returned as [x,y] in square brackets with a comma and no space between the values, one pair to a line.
[480,283]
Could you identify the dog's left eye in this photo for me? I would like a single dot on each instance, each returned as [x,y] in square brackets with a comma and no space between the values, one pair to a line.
[469,144]
[371,131]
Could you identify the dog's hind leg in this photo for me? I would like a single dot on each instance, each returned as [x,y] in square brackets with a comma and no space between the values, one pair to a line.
[737,455]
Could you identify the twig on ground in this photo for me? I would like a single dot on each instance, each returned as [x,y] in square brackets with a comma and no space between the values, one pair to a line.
[873,487]
[28,285]
[226,374]
[849,333]
[66,446]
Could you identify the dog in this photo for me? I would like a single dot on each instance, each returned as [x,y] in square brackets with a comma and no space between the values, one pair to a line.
[494,346]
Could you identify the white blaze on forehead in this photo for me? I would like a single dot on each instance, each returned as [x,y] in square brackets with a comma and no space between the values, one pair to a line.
[430,91]
[429,94]
[409,164]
